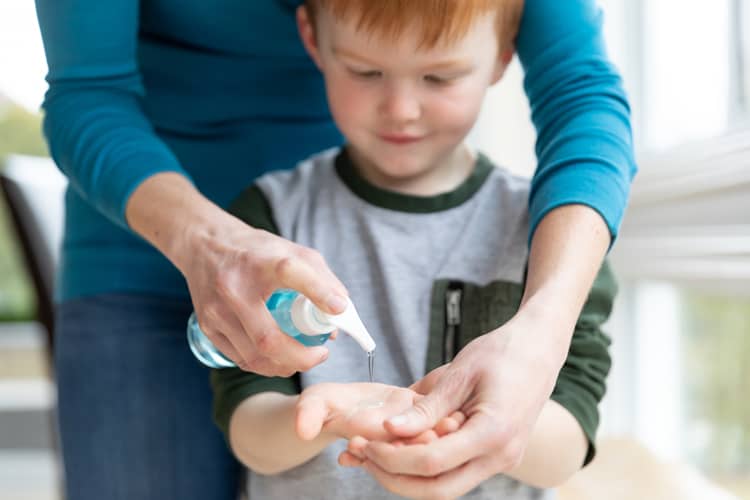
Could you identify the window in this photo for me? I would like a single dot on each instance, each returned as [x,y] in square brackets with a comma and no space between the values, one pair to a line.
[715,359]
[681,373]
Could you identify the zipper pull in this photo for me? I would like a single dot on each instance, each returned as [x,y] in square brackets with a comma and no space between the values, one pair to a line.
[452,321]
[453,307]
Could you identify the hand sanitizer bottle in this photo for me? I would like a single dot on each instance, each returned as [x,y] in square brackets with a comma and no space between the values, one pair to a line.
[296,316]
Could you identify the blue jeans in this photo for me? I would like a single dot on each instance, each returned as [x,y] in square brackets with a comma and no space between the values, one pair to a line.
[134,405]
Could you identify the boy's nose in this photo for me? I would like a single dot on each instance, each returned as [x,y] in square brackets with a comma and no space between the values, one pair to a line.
[401,105]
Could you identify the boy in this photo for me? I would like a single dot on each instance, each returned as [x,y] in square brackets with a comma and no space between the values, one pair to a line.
[429,238]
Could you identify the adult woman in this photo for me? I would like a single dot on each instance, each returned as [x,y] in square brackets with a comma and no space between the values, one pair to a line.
[158,112]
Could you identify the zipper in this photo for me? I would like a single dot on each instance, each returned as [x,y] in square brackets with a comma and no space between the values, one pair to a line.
[452,320]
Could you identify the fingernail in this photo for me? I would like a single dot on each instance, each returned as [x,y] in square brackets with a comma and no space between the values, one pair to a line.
[337,303]
[397,420]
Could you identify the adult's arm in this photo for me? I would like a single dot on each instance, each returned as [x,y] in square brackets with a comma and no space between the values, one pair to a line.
[579,193]
[579,109]
[100,137]
[94,123]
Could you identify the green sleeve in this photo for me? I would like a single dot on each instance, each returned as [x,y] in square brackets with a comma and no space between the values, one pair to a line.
[582,381]
[252,207]
[231,386]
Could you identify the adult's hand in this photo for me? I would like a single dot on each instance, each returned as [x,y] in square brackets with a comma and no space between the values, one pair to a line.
[231,270]
[500,383]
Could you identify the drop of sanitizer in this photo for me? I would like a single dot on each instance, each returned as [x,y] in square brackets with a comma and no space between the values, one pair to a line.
[369,404]
[371,365]
[350,322]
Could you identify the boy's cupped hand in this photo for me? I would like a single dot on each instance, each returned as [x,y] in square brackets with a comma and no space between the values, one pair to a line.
[357,412]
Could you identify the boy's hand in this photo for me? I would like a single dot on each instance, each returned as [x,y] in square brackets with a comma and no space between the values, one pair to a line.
[348,410]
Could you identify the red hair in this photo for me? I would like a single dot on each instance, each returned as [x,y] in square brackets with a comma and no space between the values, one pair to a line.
[439,21]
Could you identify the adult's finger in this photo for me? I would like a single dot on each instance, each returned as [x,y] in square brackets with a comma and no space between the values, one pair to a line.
[270,343]
[445,426]
[225,331]
[309,274]
[451,484]
[478,436]
[429,381]
[453,388]
[222,343]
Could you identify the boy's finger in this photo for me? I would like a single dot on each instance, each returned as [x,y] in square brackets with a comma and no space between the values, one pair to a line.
[459,417]
[348,460]
[426,437]
[357,446]
[450,424]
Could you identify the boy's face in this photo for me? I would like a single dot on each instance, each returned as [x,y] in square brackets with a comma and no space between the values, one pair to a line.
[404,110]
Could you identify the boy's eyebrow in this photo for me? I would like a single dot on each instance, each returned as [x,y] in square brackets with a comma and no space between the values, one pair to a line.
[458,64]
[338,52]
[452,64]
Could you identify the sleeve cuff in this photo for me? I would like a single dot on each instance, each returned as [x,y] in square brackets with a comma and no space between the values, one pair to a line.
[575,401]
[232,386]
[139,167]
[585,184]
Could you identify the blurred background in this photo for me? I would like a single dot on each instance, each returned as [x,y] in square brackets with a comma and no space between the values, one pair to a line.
[676,419]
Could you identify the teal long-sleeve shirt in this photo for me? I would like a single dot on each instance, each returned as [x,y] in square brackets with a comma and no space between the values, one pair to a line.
[223,91]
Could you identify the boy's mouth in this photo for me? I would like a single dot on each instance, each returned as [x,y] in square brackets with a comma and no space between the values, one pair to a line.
[399,138]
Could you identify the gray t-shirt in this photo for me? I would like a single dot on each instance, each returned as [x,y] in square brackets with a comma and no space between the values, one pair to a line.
[403,259]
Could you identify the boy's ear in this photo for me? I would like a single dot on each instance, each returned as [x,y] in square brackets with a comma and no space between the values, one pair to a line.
[307,34]
[502,64]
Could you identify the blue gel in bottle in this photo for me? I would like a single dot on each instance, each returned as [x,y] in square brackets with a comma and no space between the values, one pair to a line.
[280,305]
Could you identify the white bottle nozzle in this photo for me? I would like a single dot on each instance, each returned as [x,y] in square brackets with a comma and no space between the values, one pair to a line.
[350,323]
[308,319]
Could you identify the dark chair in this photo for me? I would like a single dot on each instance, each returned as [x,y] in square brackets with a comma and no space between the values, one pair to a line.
[33,189]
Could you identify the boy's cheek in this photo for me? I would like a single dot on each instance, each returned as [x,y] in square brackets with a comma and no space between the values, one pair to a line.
[461,109]
[347,100]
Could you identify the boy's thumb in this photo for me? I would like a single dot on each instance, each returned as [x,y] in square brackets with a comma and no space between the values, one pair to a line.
[310,415]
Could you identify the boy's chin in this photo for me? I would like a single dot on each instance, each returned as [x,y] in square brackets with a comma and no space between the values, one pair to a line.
[402,166]
[396,170]
[398,167]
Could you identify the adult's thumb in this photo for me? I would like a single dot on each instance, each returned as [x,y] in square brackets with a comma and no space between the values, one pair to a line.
[445,397]
[429,381]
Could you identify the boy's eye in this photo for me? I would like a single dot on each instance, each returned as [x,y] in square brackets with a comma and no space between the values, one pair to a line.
[437,80]
[366,74]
